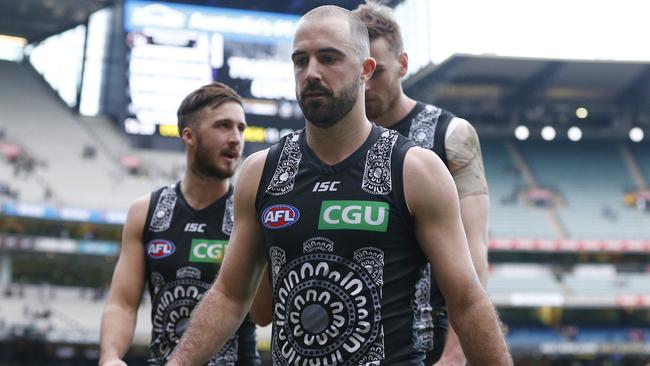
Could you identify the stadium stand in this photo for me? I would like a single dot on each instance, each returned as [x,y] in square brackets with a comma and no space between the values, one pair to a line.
[102,181]
[510,217]
[590,179]
[641,153]
[603,280]
[53,135]
[70,314]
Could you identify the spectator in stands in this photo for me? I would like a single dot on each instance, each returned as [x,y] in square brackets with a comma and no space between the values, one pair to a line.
[88,152]
[570,332]
[24,164]
[8,290]
[174,239]
[4,189]
[47,193]
[608,213]
[99,293]
[132,164]
[511,197]
[452,138]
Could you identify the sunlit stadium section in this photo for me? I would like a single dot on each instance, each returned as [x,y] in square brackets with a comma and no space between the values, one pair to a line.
[95,61]
[11,48]
[68,162]
[59,59]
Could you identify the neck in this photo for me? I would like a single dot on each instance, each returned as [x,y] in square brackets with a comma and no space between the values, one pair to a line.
[201,192]
[403,106]
[332,145]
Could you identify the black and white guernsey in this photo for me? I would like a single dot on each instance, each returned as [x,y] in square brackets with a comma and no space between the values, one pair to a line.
[343,256]
[184,249]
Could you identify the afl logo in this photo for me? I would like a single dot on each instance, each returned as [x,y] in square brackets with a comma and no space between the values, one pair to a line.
[160,248]
[280,216]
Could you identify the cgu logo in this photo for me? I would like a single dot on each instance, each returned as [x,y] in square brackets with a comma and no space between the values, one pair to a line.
[354,215]
[280,216]
[160,248]
[208,251]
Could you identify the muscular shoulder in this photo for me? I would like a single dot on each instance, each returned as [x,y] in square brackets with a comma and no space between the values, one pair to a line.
[426,179]
[465,159]
[254,163]
[136,217]
[420,161]
[461,142]
[139,208]
[251,173]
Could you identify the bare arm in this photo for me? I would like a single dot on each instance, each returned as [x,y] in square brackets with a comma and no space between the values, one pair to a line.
[439,230]
[466,166]
[262,309]
[120,313]
[474,212]
[224,306]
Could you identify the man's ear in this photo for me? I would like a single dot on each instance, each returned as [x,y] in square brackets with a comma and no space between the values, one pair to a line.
[369,65]
[187,136]
[403,64]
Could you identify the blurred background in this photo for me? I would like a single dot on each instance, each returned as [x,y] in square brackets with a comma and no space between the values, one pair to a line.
[559,92]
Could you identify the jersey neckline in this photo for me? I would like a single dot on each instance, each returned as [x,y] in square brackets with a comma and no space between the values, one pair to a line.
[314,161]
[209,207]
[406,121]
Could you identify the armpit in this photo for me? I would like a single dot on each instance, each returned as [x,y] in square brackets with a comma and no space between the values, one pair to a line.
[465,160]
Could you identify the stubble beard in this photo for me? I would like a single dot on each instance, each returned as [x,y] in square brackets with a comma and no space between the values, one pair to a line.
[204,166]
[325,114]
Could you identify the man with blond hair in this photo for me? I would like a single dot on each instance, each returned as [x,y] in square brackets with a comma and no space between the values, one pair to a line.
[455,141]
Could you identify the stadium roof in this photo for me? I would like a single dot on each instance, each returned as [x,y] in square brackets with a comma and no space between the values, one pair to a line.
[509,91]
[38,19]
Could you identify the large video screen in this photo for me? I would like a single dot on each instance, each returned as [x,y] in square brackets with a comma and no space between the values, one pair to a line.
[176,48]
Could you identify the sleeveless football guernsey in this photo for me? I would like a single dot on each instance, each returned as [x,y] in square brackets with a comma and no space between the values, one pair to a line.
[343,258]
[184,249]
[426,125]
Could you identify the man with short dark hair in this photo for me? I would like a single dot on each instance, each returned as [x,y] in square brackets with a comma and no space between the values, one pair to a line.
[346,213]
[175,238]
[456,143]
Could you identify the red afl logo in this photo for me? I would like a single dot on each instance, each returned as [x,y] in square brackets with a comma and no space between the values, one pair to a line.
[279,216]
[160,248]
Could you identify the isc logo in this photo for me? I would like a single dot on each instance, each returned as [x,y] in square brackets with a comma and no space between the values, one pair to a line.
[192,227]
[326,186]
[279,216]
[160,248]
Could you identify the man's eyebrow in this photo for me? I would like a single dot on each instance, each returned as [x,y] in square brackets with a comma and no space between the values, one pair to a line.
[332,50]
[297,53]
[320,50]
